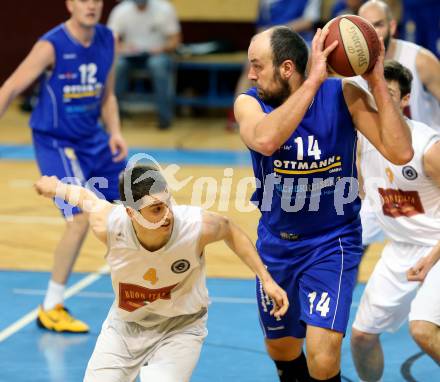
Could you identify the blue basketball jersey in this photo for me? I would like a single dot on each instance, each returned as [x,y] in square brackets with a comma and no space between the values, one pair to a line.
[308,186]
[70,99]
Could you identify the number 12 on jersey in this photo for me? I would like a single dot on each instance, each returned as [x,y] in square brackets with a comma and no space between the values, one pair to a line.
[88,73]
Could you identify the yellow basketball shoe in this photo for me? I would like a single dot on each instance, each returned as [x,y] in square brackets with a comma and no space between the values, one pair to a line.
[59,319]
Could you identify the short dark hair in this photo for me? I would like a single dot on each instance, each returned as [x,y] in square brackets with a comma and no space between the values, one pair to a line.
[395,71]
[289,45]
[144,180]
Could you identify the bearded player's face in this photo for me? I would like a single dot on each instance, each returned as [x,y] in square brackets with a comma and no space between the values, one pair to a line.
[271,87]
[378,18]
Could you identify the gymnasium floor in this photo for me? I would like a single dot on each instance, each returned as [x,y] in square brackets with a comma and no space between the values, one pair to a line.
[31,226]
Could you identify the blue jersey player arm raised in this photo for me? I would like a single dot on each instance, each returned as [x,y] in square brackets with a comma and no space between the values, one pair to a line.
[41,57]
[266,133]
[382,124]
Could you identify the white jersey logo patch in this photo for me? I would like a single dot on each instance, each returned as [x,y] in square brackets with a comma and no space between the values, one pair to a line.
[180,266]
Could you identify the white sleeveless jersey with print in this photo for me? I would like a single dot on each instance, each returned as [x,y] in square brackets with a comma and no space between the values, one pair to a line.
[405,200]
[169,282]
[424,107]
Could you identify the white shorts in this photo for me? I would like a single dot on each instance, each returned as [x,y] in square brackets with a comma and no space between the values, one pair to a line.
[371,229]
[389,298]
[166,353]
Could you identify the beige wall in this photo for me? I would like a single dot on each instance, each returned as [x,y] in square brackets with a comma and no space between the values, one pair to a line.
[216,10]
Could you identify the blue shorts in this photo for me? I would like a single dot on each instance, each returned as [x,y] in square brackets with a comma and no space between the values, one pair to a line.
[318,275]
[87,162]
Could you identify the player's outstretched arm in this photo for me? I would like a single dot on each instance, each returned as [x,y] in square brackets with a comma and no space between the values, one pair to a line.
[385,126]
[98,209]
[216,228]
[37,61]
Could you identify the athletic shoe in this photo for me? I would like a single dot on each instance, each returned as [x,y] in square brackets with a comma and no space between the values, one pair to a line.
[59,319]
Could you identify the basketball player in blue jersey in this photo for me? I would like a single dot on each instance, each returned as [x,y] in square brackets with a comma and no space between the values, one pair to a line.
[301,132]
[75,63]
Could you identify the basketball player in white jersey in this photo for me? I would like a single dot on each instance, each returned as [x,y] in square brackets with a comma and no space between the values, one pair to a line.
[406,280]
[424,104]
[157,323]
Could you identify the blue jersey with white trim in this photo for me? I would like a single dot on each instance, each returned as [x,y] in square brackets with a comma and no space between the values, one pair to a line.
[70,98]
[309,185]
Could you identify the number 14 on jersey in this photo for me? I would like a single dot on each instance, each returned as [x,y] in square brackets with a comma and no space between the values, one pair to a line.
[312,148]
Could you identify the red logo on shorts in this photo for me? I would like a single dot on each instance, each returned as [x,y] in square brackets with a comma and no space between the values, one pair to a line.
[132,297]
[398,203]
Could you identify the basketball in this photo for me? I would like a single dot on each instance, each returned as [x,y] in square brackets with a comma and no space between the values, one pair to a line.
[358,47]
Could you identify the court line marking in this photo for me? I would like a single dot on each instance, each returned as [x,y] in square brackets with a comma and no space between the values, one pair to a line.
[32,315]
[51,220]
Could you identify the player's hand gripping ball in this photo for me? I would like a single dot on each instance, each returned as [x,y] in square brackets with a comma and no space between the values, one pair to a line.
[358,47]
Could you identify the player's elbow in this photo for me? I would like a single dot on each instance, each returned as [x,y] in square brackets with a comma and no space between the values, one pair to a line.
[266,146]
[402,157]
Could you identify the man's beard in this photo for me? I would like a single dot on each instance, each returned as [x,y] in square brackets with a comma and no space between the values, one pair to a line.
[276,98]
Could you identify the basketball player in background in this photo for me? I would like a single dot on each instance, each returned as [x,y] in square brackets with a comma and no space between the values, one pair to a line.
[75,62]
[424,104]
[157,323]
[406,280]
[301,132]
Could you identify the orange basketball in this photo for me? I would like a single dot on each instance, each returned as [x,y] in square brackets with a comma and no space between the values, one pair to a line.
[358,47]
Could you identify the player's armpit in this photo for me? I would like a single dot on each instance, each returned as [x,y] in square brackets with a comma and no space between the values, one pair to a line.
[248,114]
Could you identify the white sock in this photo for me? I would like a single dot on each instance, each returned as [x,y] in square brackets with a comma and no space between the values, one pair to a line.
[54,295]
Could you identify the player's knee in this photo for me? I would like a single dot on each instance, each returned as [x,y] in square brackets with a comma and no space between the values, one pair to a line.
[362,340]
[323,365]
[422,332]
[284,349]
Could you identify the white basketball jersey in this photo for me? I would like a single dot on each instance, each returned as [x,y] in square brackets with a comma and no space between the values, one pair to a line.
[405,200]
[169,282]
[424,107]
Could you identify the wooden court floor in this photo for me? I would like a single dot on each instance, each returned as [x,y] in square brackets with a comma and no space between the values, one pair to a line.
[30,225]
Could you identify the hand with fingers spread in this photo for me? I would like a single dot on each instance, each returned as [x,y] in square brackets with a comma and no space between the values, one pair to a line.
[278,296]
[318,58]
[419,271]
[376,75]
